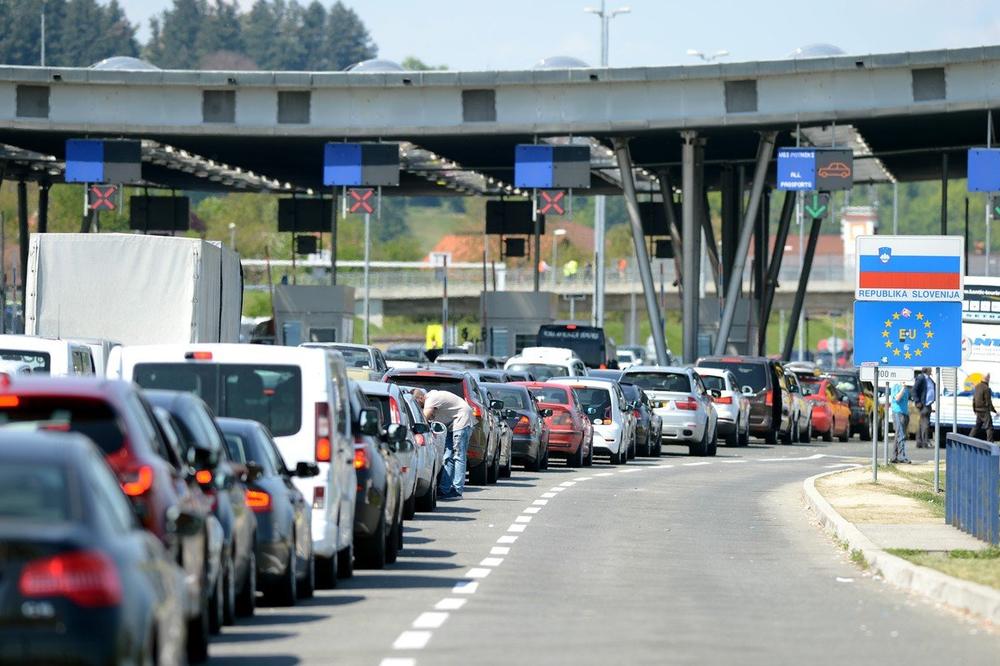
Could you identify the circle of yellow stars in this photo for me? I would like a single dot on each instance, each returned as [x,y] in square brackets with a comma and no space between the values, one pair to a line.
[921,346]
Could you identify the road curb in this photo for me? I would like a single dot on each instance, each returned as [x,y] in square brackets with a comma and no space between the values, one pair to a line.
[963,595]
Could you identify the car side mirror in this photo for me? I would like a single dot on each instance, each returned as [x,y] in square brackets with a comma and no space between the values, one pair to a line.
[420,428]
[746,390]
[368,422]
[253,472]
[396,433]
[496,404]
[546,413]
[715,393]
[510,413]
[185,523]
[305,469]
[438,428]
[203,458]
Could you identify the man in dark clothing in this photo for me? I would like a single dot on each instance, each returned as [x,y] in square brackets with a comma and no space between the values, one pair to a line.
[982,405]
[924,395]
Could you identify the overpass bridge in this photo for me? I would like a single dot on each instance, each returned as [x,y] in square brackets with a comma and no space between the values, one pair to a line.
[667,133]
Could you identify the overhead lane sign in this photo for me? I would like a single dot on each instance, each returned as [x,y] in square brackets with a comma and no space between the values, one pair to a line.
[824,169]
[796,169]
[910,268]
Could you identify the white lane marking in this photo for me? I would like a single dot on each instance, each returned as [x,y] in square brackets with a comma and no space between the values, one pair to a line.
[523,519]
[604,474]
[582,478]
[628,471]
[478,572]
[516,527]
[412,640]
[393,661]
[663,466]
[500,550]
[465,587]
[844,580]
[430,620]
[558,489]
[532,509]
[540,502]
[696,464]
[731,462]
[491,562]
[548,495]
[567,484]
[815,456]
[838,465]
[506,538]
[449,604]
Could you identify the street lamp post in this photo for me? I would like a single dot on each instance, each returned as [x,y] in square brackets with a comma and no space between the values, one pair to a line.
[557,236]
[599,201]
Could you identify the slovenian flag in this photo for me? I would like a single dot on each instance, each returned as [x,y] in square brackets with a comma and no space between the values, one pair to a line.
[909,265]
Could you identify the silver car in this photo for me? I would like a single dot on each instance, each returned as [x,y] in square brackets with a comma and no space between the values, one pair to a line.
[682,402]
[803,413]
[731,404]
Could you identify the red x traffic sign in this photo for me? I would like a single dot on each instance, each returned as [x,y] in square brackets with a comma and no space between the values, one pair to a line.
[362,200]
[99,197]
[551,202]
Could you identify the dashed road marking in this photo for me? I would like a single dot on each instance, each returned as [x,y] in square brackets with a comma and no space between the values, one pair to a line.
[450,604]
[628,471]
[478,572]
[558,489]
[567,484]
[731,462]
[430,620]
[465,587]
[582,478]
[392,661]
[523,519]
[506,538]
[412,640]
[491,562]
[500,550]
[548,495]
[517,527]
[604,474]
[532,509]
[696,464]
[540,502]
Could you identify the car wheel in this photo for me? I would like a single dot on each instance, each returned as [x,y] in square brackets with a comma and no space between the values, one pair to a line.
[410,507]
[771,437]
[371,550]
[713,445]
[805,434]
[307,585]
[493,473]
[326,572]
[505,468]
[631,448]
[700,448]
[428,502]
[846,435]
[246,599]
[576,460]
[733,439]
[545,459]
[533,465]
[229,594]
[197,635]
[216,613]
[345,562]
[284,591]
[477,476]
[590,457]
[393,543]
[828,435]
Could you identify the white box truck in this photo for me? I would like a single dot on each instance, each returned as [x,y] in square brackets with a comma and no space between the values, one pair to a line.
[133,289]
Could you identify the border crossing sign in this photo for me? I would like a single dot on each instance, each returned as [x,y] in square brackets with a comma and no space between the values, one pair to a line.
[908,333]
[910,268]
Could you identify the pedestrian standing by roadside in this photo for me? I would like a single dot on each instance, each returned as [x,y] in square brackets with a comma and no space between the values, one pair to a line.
[924,395]
[982,405]
[455,413]
[900,396]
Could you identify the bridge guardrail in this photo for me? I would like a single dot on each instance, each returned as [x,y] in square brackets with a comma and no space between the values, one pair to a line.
[972,493]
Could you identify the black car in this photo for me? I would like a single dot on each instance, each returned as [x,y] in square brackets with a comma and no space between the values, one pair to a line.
[79,577]
[530,446]
[859,397]
[643,413]
[223,480]
[378,507]
[771,402]
[283,553]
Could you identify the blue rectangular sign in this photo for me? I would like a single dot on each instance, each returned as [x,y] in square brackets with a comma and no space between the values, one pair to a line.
[908,333]
[533,166]
[342,164]
[84,161]
[796,169]
[984,170]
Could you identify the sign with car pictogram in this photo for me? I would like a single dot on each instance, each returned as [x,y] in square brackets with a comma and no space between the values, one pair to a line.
[834,169]
[823,169]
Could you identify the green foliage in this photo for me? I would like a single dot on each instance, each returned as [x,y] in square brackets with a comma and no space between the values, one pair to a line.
[417,65]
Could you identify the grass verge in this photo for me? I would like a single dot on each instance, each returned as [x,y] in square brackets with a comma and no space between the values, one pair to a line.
[982,566]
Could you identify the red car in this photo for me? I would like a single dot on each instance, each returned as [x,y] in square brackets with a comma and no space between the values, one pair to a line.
[165,496]
[570,430]
[831,414]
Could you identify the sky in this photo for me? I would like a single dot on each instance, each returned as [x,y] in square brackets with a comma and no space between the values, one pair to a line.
[515,34]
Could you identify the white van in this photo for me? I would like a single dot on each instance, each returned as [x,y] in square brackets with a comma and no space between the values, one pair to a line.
[547,363]
[48,356]
[99,350]
[300,394]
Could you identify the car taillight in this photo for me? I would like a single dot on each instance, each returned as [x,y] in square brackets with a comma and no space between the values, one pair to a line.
[478,413]
[636,414]
[723,400]
[361,458]
[87,578]
[394,410]
[203,476]
[198,356]
[523,426]
[319,497]
[258,500]
[322,432]
[689,404]
[769,398]
[137,482]
[9,400]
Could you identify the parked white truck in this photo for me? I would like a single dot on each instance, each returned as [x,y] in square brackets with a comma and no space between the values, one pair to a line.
[133,289]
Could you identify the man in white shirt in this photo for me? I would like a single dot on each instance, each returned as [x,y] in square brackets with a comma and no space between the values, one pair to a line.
[455,413]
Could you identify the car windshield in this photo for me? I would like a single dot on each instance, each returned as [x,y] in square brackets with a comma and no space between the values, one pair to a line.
[92,417]
[355,358]
[429,383]
[40,362]
[541,371]
[753,375]
[554,395]
[712,382]
[33,493]
[512,398]
[463,363]
[244,447]
[661,381]
[404,354]
[810,386]
[269,394]
[595,397]
[847,383]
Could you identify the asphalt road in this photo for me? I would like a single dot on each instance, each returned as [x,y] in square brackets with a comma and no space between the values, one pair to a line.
[677,560]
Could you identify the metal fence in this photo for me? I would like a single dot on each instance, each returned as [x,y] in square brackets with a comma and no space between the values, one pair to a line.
[972,494]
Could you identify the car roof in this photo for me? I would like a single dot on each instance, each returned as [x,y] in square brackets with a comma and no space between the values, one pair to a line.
[227,423]
[735,358]
[505,385]
[426,372]
[53,448]
[591,382]
[88,386]
[664,369]
[713,372]
[34,343]
[225,352]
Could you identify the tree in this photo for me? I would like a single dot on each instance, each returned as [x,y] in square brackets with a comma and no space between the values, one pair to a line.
[21,33]
[177,35]
[347,38]
[221,30]
[417,65]
[311,36]
[259,26]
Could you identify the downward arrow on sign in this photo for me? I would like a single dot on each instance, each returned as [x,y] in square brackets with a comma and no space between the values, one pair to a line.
[818,207]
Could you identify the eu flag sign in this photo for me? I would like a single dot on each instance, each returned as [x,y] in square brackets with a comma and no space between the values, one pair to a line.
[908,333]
